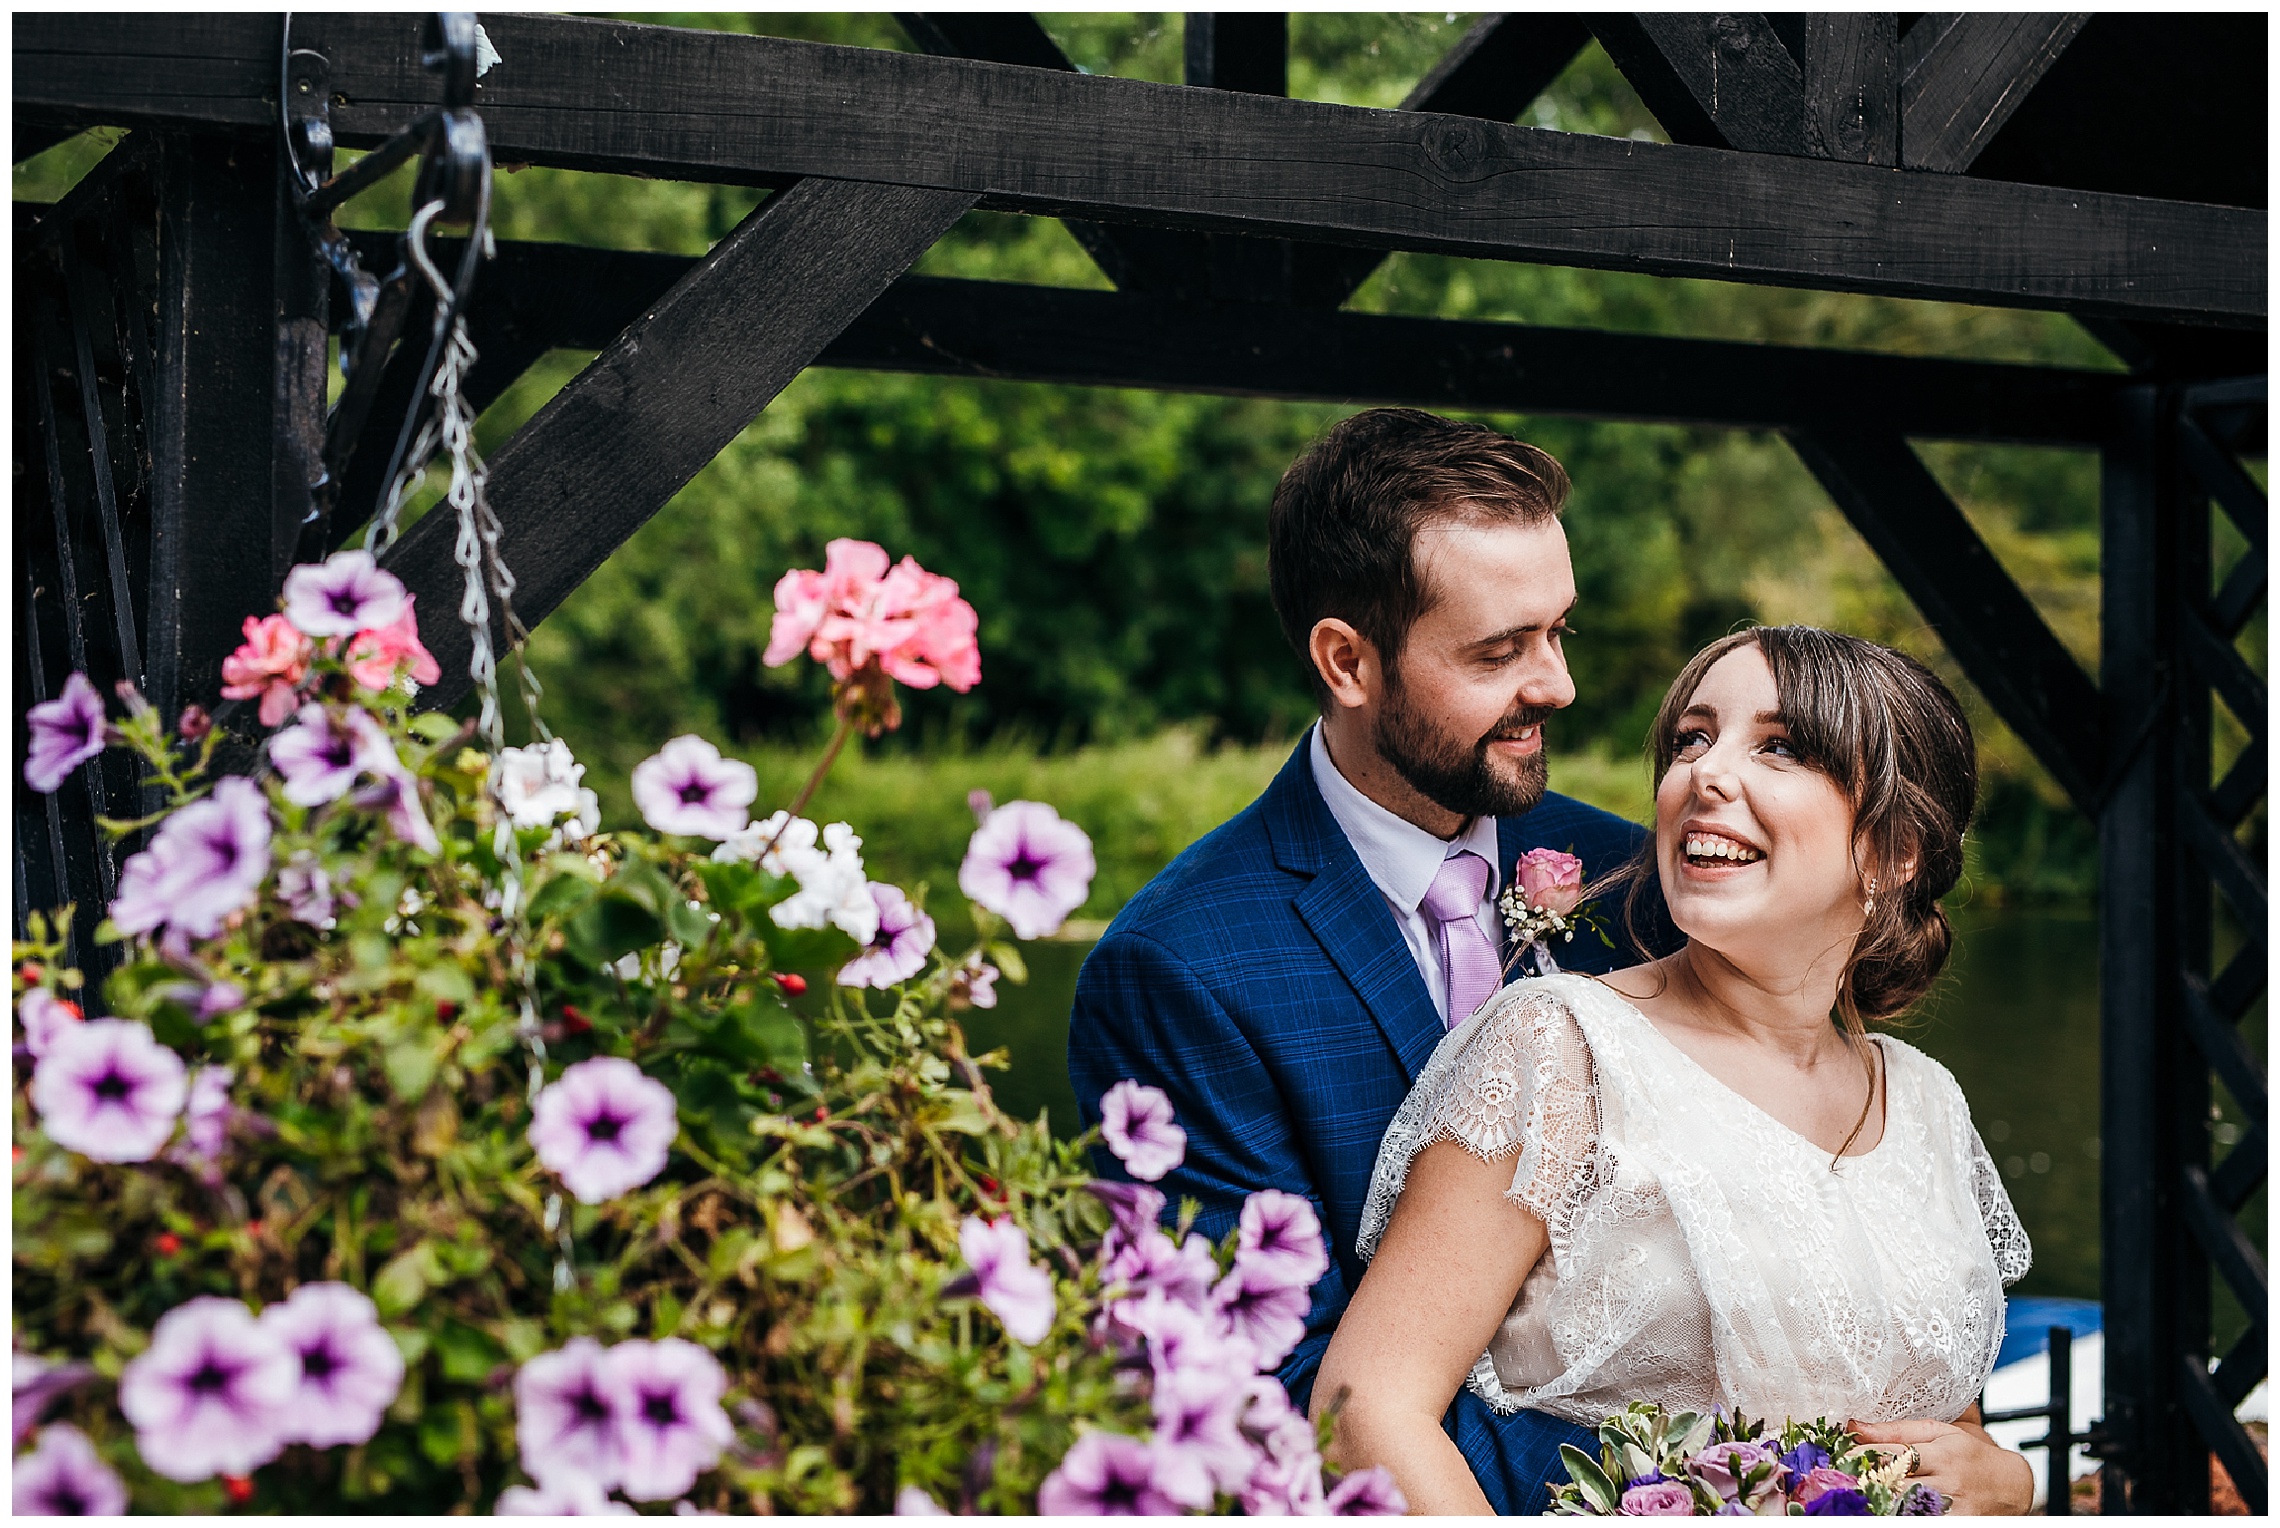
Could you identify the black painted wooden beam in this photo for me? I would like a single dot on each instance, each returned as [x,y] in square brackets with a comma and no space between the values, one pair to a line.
[537,296]
[664,397]
[712,106]
[1989,625]
[1718,79]
[1962,76]
[1851,69]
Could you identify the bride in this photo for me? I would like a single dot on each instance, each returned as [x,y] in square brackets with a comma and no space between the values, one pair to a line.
[1700,1182]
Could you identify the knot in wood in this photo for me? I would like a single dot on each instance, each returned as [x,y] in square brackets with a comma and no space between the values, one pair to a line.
[1455,147]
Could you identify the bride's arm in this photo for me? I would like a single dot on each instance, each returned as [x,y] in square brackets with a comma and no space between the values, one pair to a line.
[1446,1272]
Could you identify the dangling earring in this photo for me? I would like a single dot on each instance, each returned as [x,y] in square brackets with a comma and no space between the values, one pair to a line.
[1868,907]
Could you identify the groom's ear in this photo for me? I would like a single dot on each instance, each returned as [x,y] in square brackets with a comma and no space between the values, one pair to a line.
[1346,661]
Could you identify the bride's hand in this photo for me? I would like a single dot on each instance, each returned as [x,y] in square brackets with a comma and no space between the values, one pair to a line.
[1977,1475]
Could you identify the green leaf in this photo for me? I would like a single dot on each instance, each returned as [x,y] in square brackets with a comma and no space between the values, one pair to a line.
[691,925]
[467,1356]
[1591,1479]
[403,1280]
[611,925]
[805,949]
[433,726]
[449,1433]
[645,885]
[558,896]
[446,984]
[741,888]
[411,1067]
[1007,956]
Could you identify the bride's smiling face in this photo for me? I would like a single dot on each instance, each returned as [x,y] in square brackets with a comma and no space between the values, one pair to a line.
[1754,845]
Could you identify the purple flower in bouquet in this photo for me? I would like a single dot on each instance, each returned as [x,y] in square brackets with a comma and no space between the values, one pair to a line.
[45,1018]
[1264,1312]
[1200,1447]
[1721,1467]
[1028,866]
[898,951]
[35,1383]
[349,1368]
[566,1416]
[687,787]
[670,1427]
[568,1496]
[1844,1503]
[205,1124]
[205,863]
[1279,1240]
[108,1090]
[1017,1292]
[64,733]
[306,890]
[64,1477]
[207,1396]
[1105,1475]
[1922,1501]
[1804,1459]
[1136,1122]
[347,593]
[603,1127]
[1368,1493]
[321,754]
[396,796]
[1661,1498]
[910,1501]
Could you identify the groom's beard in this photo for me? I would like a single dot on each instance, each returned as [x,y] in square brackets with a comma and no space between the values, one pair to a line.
[1454,776]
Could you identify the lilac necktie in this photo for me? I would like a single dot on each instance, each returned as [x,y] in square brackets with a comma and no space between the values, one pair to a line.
[1468,956]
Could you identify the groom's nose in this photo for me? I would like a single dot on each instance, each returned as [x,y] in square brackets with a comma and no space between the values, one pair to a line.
[1545,682]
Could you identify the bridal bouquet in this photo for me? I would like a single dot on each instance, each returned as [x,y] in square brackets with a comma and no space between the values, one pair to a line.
[1652,1464]
[429,1149]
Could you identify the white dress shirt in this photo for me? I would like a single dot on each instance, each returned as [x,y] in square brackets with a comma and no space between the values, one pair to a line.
[1402,858]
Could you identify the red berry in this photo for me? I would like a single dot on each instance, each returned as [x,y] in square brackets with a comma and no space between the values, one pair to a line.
[575,1022]
[168,1244]
[70,1007]
[821,1113]
[990,1186]
[29,972]
[792,982]
[446,1012]
[239,1488]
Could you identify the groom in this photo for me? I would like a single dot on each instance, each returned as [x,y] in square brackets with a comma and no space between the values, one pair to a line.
[1286,978]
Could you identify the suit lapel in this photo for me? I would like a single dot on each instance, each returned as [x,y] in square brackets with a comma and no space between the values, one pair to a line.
[1344,910]
[1511,843]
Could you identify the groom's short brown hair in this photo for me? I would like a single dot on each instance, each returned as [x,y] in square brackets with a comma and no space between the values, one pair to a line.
[1348,511]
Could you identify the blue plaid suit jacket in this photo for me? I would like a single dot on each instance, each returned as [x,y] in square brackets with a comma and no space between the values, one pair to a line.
[1261,982]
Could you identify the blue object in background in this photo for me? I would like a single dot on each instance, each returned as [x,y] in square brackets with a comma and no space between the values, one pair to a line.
[2027,1321]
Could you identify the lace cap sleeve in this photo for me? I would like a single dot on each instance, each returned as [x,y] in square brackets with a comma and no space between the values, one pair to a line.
[1517,1079]
[2005,1236]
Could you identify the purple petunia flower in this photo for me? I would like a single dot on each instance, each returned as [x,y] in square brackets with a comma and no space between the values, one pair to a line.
[603,1127]
[36,1383]
[349,1367]
[65,733]
[64,1477]
[566,1416]
[670,1427]
[910,1501]
[206,1397]
[1029,867]
[1017,1292]
[45,1017]
[322,753]
[1136,1122]
[108,1090]
[898,951]
[1368,1493]
[569,1496]
[1152,1261]
[687,787]
[1105,1475]
[347,593]
[1268,1315]
[1200,1447]
[1288,1479]
[205,863]
[205,1124]
[1279,1240]
[396,795]
[1134,1209]
[306,889]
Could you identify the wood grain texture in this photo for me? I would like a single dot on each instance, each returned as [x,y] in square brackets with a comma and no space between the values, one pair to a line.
[1851,73]
[1715,79]
[1962,76]
[1987,623]
[665,396]
[658,101]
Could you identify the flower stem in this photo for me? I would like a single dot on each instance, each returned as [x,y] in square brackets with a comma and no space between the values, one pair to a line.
[814,782]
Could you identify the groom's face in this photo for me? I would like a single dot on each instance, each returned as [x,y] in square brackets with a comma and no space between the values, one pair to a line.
[1461,717]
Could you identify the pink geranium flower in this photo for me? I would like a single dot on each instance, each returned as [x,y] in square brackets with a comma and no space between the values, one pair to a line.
[859,609]
[376,654]
[271,664]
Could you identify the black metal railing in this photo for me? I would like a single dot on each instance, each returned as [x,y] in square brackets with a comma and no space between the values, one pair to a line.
[2061,1440]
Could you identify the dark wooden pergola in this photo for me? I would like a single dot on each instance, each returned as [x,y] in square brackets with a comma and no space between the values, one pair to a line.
[174,455]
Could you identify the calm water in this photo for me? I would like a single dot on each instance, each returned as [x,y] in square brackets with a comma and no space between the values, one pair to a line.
[2016,1020]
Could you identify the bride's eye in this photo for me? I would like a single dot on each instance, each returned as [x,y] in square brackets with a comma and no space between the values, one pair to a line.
[1690,740]
[1781,747]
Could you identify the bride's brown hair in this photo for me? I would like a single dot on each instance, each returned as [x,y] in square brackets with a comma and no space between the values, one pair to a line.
[1896,742]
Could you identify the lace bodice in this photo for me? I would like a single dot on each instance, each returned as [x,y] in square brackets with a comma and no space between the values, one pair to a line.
[1703,1255]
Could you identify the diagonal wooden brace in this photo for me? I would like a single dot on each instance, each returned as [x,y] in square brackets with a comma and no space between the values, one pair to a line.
[610,449]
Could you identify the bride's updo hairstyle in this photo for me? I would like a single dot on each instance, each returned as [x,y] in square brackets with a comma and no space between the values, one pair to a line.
[1895,741]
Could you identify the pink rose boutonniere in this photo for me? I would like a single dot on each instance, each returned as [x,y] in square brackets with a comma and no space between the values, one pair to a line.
[1545,897]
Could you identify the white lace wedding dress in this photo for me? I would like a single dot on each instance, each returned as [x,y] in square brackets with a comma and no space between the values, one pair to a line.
[1703,1255]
